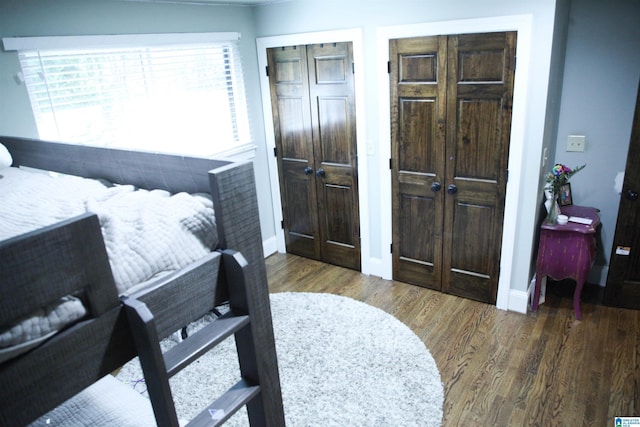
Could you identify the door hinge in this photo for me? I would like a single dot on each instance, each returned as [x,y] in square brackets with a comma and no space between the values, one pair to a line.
[282,224]
[275,151]
[391,248]
[388,67]
[266,69]
[390,163]
[507,176]
[353,68]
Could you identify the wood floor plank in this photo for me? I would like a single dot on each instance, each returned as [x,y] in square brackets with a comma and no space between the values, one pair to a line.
[501,368]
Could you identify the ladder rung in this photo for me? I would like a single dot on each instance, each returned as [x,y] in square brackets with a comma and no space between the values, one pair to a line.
[226,405]
[180,356]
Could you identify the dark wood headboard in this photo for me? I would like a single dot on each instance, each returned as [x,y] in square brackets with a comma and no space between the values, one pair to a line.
[143,169]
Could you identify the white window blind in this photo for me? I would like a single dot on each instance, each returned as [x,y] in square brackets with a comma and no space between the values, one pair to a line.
[181,98]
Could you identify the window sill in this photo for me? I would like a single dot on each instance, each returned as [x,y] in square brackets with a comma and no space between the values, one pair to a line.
[244,152]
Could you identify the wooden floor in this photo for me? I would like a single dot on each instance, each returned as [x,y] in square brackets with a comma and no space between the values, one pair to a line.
[501,368]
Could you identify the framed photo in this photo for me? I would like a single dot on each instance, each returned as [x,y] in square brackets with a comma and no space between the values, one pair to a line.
[565,198]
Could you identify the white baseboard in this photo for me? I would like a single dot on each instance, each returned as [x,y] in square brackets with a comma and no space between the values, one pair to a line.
[269,246]
[597,275]
[518,301]
[373,267]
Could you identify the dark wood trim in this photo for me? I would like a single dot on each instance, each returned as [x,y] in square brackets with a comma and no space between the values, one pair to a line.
[142,169]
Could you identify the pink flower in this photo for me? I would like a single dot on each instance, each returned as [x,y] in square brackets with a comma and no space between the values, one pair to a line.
[560,175]
[560,169]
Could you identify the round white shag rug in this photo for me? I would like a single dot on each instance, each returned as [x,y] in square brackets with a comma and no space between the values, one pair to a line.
[342,363]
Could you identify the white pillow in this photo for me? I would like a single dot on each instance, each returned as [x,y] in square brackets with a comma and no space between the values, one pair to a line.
[5,157]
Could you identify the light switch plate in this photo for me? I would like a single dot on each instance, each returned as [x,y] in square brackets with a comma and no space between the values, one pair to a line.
[576,142]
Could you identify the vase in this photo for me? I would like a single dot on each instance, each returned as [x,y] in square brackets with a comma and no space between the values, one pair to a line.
[553,210]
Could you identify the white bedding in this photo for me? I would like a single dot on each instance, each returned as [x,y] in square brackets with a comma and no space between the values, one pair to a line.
[29,332]
[31,200]
[106,403]
[146,233]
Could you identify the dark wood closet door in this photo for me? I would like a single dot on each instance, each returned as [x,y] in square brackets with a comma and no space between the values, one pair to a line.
[623,280]
[480,94]
[289,86]
[312,95]
[451,218]
[418,114]
[331,89]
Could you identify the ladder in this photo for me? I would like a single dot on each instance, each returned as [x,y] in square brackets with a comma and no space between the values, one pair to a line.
[158,367]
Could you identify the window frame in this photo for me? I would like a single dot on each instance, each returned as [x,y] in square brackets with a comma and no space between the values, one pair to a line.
[239,146]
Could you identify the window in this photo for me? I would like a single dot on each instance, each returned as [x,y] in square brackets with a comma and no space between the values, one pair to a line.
[180,97]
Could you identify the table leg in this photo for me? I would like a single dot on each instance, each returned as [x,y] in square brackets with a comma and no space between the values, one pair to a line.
[577,295]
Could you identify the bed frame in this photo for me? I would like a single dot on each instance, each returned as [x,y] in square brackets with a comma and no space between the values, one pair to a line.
[69,258]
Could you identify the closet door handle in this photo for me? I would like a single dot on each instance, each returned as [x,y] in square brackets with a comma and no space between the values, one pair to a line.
[320,173]
[436,186]
[632,195]
[308,170]
[452,189]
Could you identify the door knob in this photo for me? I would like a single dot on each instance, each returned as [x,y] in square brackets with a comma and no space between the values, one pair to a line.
[308,170]
[320,172]
[452,189]
[436,186]
[631,195]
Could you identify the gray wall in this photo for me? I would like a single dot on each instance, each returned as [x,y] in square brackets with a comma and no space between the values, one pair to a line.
[598,99]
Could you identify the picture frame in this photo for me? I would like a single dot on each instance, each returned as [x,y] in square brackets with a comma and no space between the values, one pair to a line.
[565,198]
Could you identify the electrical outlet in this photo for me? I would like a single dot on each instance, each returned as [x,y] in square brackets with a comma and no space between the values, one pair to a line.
[576,142]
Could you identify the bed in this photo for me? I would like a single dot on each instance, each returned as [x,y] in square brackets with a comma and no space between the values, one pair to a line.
[69,257]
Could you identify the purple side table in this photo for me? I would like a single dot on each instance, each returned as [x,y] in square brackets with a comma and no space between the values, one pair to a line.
[567,252]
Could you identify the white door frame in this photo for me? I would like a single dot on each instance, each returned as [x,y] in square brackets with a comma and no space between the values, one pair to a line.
[355,37]
[520,23]
[383,267]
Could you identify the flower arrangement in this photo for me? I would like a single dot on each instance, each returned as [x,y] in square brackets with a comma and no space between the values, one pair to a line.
[560,175]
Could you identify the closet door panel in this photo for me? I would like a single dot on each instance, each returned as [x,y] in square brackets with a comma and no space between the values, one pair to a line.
[416,252]
[332,95]
[340,234]
[416,222]
[477,155]
[470,261]
[479,97]
[300,212]
[418,104]
[294,143]
[333,125]
[294,140]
